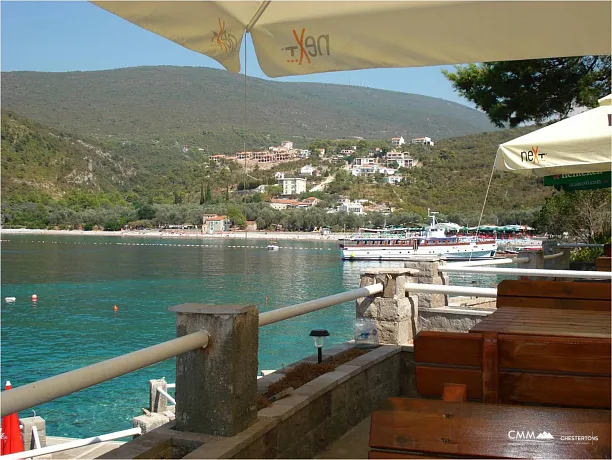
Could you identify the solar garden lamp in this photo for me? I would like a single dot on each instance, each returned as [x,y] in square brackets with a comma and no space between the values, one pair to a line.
[319,340]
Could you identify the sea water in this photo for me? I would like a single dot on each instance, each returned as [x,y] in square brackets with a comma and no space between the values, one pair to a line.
[79,279]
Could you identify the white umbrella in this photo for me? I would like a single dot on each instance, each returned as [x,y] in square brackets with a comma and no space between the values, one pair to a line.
[579,144]
[297,38]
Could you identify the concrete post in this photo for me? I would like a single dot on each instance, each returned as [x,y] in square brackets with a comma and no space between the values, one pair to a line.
[559,263]
[26,432]
[216,387]
[429,274]
[157,401]
[536,260]
[396,315]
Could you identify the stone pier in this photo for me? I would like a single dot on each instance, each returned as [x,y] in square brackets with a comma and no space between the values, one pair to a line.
[394,313]
[428,273]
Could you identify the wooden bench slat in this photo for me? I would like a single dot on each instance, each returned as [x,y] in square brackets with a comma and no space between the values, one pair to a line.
[538,353]
[382,454]
[554,289]
[575,304]
[433,347]
[473,429]
[558,390]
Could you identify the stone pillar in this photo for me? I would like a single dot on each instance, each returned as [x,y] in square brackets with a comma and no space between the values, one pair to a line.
[558,263]
[157,401]
[429,274]
[396,315]
[26,432]
[536,260]
[216,387]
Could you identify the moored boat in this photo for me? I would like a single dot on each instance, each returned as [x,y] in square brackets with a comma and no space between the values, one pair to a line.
[403,244]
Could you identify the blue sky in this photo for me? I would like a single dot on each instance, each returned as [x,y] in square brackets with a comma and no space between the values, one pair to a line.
[75,35]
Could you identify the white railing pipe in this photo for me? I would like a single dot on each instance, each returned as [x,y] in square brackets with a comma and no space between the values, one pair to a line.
[454,290]
[532,272]
[42,391]
[292,311]
[552,256]
[72,444]
[168,397]
[578,245]
[36,437]
[171,385]
[476,263]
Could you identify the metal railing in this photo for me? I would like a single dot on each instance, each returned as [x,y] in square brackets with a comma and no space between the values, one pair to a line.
[42,391]
[476,263]
[578,245]
[457,290]
[536,272]
[292,311]
[72,444]
[168,397]
[552,256]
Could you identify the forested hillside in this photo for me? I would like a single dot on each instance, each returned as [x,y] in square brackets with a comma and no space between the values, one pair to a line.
[204,108]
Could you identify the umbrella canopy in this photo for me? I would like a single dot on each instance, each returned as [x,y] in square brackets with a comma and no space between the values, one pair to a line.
[297,38]
[11,441]
[579,144]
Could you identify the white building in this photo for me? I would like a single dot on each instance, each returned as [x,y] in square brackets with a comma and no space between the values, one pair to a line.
[305,153]
[287,144]
[393,179]
[397,141]
[347,206]
[279,176]
[402,160]
[422,141]
[293,185]
[347,151]
[308,171]
[364,161]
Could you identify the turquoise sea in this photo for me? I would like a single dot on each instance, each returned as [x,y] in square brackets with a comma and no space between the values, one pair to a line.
[78,280]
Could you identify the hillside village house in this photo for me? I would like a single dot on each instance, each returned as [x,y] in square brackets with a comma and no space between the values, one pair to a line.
[284,203]
[403,161]
[287,144]
[364,161]
[212,223]
[308,171]
[347,151]
[351,207]
[304,153]
[293,185]
[397,141]
[422,141]
[394,180]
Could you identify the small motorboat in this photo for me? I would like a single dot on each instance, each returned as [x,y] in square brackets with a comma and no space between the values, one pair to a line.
[272,246]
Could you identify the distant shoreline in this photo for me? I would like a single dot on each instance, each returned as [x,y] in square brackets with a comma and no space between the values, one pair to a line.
[259,235]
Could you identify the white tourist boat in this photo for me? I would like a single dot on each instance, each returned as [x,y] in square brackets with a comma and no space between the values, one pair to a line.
[402,244]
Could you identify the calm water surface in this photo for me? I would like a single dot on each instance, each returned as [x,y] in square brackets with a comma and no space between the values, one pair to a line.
[78,279]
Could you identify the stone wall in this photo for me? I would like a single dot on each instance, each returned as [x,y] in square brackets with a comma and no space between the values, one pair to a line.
[450,319]
[298,426]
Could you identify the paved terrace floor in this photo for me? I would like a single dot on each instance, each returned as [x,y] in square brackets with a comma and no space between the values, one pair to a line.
[354,444]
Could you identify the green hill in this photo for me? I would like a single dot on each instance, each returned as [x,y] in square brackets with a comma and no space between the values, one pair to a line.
[204,108]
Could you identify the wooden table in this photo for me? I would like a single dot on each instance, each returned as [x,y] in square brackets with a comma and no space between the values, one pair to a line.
[547,322]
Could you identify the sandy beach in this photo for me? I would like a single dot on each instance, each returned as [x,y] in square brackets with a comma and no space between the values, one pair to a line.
[261,235]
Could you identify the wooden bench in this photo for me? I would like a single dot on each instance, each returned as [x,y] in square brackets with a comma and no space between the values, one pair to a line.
[422,428]
[572,295]
[515,368]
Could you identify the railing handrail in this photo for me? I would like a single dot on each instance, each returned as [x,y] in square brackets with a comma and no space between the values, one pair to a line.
[552,256]
[445,289]
[165,393]
[72,444]
[536,272]
[292,311]
[578,245]
[476,263]
[42,391]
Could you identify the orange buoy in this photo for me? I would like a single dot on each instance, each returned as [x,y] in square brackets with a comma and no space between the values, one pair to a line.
[34,297]
[115,308]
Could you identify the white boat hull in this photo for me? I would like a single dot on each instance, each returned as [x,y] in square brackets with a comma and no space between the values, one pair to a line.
[448,252]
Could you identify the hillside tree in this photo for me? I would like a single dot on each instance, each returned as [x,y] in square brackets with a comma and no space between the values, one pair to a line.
[537,90]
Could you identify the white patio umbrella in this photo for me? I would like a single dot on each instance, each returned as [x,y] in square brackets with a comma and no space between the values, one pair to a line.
[579,144]
[297,38]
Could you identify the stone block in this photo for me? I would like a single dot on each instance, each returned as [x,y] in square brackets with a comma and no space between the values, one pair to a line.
[149,422]
[26,431]
[216,386]
[395,332]
[157,401]
[393,309]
